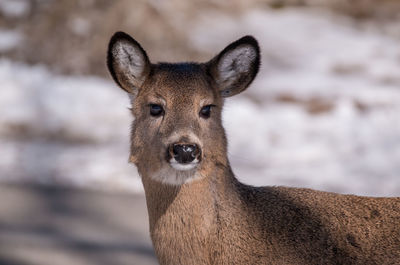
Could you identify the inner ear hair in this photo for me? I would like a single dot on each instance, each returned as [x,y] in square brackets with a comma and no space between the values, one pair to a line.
[127,62]
[236,66]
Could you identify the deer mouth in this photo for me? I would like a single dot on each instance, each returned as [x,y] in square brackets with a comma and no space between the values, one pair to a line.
[183,166]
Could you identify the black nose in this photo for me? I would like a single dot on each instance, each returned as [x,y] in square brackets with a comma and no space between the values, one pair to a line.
[184,153]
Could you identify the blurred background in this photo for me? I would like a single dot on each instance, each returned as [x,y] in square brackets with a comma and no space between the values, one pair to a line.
[323,113]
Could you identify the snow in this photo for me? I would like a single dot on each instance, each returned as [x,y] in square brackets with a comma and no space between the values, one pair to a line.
[323,112]
[9,39]
[14,8]
[60,129]
[78,107]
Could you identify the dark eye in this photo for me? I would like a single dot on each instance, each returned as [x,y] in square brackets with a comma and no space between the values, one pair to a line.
[156,110]
[205,111]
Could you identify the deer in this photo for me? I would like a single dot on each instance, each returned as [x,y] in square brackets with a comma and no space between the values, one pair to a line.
[199,213]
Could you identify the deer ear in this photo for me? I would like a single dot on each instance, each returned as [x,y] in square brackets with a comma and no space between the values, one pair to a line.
[236,66]
[127,62]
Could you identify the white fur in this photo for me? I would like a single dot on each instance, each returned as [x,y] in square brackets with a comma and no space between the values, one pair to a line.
[183,167]
[129,63]
[235,62]
[129,57]
[177,174]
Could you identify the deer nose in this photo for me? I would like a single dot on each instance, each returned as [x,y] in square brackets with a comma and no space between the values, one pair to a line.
[184,153]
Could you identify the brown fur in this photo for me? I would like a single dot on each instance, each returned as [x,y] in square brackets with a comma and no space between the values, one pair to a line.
[214,219]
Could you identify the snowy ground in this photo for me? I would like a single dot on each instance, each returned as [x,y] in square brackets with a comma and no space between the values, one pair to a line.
[323,113]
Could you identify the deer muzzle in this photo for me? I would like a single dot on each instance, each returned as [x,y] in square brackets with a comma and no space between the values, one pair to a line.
[184,156]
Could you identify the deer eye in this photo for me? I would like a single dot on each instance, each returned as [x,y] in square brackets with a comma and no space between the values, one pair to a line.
[156,110]
[205,111]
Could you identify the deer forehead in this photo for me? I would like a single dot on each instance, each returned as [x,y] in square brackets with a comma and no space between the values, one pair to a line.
[179,86]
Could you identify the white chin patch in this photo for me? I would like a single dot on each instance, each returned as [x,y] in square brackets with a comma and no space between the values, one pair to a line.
[183,167]
[178,174]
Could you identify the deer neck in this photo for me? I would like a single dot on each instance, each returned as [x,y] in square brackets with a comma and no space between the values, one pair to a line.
[201,195]
[189,215]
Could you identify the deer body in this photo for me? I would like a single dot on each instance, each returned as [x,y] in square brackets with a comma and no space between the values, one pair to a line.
[230,223]
[199,212]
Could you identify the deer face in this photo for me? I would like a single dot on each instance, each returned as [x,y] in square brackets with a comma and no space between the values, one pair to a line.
[177,123]
[177,135]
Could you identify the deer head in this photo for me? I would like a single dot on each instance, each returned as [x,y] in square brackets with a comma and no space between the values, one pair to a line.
[177,134]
